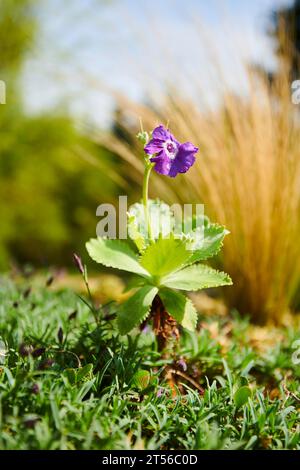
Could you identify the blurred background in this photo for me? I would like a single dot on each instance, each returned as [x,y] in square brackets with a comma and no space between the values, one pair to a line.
[78,80]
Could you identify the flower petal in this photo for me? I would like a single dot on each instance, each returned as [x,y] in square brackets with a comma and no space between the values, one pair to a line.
[184,159]
[154,146]
[161,133]
[162,164]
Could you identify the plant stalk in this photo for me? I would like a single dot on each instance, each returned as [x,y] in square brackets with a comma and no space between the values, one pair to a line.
[148,169]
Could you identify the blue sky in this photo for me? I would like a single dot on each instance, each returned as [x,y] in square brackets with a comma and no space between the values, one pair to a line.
[92,47]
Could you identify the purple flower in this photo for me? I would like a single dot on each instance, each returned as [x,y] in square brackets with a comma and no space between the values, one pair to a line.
[171,157]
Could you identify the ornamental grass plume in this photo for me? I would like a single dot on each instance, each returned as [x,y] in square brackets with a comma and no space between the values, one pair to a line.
[249,180]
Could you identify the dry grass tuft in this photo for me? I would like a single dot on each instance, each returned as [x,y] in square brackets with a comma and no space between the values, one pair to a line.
[247,175]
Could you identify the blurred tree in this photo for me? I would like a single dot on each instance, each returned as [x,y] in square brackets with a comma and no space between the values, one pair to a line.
[48,193]
[285,30]
[17,33]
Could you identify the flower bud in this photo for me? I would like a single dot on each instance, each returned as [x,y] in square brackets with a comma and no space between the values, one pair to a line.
[143,137]
[78,263]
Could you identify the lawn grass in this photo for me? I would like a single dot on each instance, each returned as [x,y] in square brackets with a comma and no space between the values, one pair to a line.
[67,383]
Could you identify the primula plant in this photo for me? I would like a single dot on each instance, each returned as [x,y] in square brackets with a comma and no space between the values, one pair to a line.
[164,258]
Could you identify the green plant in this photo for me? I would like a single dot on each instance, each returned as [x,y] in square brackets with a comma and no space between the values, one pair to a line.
[163,256]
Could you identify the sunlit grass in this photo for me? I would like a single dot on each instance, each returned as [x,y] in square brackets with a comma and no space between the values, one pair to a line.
[66,383]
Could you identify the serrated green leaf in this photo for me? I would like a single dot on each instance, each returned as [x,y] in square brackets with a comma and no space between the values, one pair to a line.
[165,256]
[134,282]
[196,277]
[135,309]
[115,254]
[179,307]
[241,396]
[197,220]
[210,245]
[192,230]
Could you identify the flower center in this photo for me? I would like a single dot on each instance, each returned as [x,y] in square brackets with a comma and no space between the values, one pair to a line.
[170,149]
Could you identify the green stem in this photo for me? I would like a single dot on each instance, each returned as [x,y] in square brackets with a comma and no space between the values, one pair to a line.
[148,169]
[93,308]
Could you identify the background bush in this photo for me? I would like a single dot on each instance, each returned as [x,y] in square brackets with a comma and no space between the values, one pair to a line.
[48,191]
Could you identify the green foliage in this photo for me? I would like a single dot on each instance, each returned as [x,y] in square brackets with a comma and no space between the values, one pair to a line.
[179,307]
[196,277]
[48,190]
[214,235]
[241,396]
[161,262]
[120,397]
[141,379]
[165,256]
[17,32]
[115,254]
[136,308]
[74,376]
